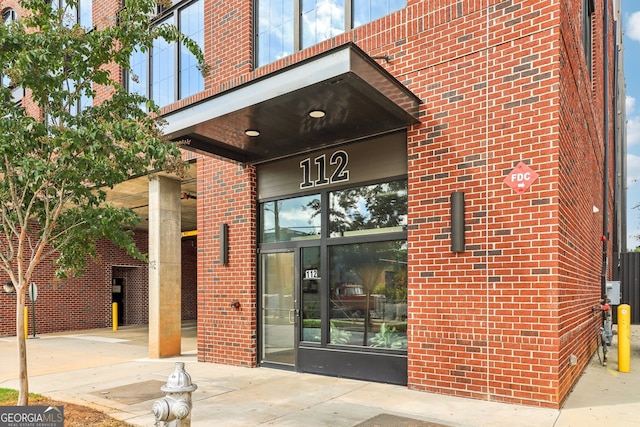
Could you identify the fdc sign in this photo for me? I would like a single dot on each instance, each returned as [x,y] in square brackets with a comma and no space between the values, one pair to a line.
[521,178]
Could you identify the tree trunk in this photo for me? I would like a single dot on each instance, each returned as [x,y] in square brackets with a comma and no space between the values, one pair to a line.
[23,396]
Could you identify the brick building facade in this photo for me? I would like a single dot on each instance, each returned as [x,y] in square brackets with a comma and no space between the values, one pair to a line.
[86,302]
[400,191]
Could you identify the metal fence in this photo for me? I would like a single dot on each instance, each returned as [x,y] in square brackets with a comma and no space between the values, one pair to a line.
[630,283]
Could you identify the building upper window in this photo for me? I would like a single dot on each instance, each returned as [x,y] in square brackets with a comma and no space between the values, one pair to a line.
[85,13]
[17,93]
[370,209]
[8,16]
[170,71]
[286,26]
[286,220]
[588,9]
[81,12]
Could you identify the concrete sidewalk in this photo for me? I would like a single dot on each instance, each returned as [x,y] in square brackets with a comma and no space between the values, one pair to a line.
[111,371]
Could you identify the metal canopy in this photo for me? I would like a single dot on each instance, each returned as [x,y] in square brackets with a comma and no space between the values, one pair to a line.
[360,99]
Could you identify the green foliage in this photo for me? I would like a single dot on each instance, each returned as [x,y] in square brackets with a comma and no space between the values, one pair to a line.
[59,150]
[54,156]
[339,335]
[388,338]
[9,396]
[311,323]
[375,206]
[395,287]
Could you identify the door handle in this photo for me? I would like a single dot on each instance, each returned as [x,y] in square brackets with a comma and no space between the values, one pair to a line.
[293,313]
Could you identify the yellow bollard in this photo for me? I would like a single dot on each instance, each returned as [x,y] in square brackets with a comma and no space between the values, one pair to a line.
[114,315]
[26,322]
[624,338]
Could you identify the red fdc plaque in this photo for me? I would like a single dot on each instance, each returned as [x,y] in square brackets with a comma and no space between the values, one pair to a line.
[521,178]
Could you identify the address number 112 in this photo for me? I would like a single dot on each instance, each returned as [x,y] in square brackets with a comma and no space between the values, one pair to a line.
[337,172]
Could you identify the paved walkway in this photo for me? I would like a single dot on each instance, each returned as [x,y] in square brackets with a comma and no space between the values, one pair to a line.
[111,371]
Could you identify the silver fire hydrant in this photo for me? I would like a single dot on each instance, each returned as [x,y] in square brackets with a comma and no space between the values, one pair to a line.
[174,409]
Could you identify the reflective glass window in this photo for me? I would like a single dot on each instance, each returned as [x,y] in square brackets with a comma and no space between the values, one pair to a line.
[78,105]
[275,30]
[163,71]
[588,9]
[81,13]
[310,294]
[137,76]
[377,208]
[368,294]
[369,10]
[172,72]
[283,26]
[7,16]
[321,20]
[290,219]
[191,25]
[85,14]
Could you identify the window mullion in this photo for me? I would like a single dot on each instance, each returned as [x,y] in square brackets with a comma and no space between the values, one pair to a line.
[348,15]
[149,74]
[297,25]
[176,59]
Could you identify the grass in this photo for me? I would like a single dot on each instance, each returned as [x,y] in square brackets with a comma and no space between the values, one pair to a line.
[74,415]
[10,397]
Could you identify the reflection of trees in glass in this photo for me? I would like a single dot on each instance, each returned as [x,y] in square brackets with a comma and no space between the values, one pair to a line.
[287,219]
[310,285]
[381,205]
[274,208]
[315,207]
[394,287]
[366,264]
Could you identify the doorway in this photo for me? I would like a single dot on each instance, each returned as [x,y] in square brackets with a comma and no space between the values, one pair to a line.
[117,296]
[307,325]
[291,303]
[279,315]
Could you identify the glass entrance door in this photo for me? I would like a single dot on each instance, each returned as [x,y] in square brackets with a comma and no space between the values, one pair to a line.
[279,314]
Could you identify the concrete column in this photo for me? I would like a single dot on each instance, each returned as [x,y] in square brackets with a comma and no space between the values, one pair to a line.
[164,267]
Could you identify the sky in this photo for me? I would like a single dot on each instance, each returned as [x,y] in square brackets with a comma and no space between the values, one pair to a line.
[631,26]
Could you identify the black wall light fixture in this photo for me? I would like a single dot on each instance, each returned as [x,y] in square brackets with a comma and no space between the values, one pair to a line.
[457,222]
[224,244]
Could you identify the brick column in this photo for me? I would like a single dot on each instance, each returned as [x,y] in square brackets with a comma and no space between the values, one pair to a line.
[164,267]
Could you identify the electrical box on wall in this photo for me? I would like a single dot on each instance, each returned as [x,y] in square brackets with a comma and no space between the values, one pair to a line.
[613,292]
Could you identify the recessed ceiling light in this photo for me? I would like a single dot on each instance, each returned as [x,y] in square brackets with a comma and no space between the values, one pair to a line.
[317,114]
[252,132]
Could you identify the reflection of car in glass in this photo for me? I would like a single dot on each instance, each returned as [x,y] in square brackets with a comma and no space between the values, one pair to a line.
[310,286]
[352,298]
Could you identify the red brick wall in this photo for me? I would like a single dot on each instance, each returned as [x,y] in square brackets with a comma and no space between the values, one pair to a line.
[79,303]
[488,327]
[189,278]
[85,302]
[581,175]
[500,84]
[226,195]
